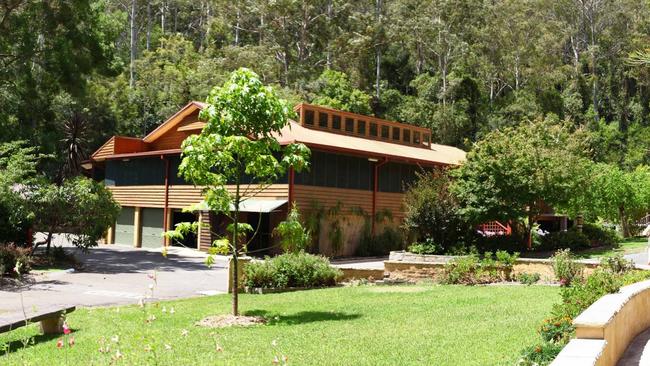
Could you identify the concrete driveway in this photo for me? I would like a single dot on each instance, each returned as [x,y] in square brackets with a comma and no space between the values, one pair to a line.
[114,275]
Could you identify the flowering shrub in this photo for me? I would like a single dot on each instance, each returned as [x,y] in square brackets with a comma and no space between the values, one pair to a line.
[556,329]
[291,270]
[566,269]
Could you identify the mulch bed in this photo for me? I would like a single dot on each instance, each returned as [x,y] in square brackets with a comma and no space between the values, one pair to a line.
[223,321]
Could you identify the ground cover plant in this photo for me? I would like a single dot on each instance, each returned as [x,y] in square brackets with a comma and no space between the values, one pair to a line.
[362,325]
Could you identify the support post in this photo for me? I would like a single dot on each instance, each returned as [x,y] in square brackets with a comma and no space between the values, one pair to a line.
[137,227]
[110,234]
[166,211]
[375,189]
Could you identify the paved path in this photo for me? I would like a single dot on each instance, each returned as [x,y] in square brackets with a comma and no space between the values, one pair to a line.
[114,275]
[638,352]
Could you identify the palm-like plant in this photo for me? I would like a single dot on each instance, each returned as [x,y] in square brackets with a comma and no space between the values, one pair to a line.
[75,142]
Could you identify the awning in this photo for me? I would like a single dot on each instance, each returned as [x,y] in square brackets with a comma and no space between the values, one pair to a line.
[248,205]
[264,206]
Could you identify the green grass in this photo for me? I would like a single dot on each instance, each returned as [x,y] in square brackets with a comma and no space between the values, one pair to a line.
[365,325]
[627,246]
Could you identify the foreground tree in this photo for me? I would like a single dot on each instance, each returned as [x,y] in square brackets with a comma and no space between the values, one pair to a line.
[238,147]
[513,173]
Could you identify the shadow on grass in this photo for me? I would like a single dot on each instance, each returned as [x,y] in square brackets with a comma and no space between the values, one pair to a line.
[301,317]
[18,344]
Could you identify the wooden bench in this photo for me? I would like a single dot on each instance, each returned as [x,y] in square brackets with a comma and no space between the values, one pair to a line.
[51,319]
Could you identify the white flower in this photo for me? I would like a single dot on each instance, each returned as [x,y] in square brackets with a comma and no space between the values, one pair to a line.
[115,339]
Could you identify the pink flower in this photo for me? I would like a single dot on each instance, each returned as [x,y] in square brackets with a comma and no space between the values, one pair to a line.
[59,343]
[66,329]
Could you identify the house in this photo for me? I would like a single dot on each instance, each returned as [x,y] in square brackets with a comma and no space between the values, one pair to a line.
[359,168]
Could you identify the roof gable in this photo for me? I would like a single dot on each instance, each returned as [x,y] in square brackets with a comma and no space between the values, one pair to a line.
[173,121]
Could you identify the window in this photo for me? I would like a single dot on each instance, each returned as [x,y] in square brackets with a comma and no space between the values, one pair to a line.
[349,125]
[406,136]
[373,129]
[416,137]
[426,139]
[322,119]
[336,122]
[396,133]
[384,132]
[309,117]
[361,127]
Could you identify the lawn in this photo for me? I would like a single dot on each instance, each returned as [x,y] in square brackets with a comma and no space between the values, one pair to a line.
[364,325]
[627,246]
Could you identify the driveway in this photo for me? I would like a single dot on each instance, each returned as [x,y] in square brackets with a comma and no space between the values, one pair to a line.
[115,275]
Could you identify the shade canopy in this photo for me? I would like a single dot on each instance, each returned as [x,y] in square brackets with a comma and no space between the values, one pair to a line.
[263,206]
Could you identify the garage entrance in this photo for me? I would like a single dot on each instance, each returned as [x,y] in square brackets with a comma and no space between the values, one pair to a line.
[190,239]
[152,227]
[124,227]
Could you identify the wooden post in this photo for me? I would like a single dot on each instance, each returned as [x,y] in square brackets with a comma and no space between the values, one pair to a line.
[168,224]
[199,231]
[110,234]
[137,227]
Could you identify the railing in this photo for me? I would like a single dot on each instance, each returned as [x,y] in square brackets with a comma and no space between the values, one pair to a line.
[495,228]
[644,221]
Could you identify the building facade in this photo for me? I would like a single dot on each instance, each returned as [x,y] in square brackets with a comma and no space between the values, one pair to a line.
[359,169]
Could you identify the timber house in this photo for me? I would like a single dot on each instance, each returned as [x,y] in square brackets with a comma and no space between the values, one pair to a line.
[359,167]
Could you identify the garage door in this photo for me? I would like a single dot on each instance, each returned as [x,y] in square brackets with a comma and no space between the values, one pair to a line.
[152,227]
[124,227]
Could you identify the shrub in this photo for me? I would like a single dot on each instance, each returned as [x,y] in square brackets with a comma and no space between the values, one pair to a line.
[471,270]
[293,236]
[617,264]
[581,294]
[540,354]
[427,247]
[571,239]
[512,243]
[557,329]
[462,270]
[432,212]
[291,270]
[566,269]
[528,278]
[382,244]
[14,259]
[599,235]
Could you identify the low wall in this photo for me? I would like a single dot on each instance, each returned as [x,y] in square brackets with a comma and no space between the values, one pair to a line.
[361,273]
[614,320]
[417,267]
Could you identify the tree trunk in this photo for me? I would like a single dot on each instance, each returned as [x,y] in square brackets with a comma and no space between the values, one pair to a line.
[625,228]
[48,241]
[148,25]
[235,264]
[378,51]
[237,28]
[133,44]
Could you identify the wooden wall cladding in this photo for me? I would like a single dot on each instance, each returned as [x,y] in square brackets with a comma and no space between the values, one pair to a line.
[179,196]
[304,196]
[173,138]
[107,149]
